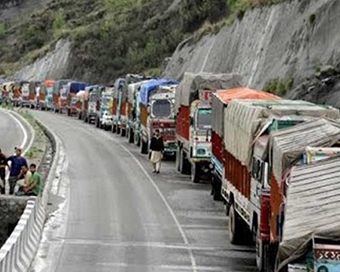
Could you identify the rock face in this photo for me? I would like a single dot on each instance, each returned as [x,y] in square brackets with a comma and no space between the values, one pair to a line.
[286,41]
[54,65]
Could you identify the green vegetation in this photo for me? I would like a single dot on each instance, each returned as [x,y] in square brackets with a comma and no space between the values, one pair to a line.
[109,37]
[279,86]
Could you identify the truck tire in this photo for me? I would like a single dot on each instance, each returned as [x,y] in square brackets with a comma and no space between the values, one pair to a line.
[178,159]
[184,164]
[118,130]
[131,136]
[97,123]
[68,112]
[216,188]
[235,226]
[144,147]
[136,139]
[195,172]
[114,128]
[122,132]
[79,116]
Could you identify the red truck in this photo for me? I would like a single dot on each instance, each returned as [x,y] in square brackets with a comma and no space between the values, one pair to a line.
[252,196]
[220,101]
[193,120]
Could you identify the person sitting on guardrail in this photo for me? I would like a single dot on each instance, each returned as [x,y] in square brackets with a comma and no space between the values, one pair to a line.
[157,148]
[3,165]
[34,186]
[17,161]
[24,180]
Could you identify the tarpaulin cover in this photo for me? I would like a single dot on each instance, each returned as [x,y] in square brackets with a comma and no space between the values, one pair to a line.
[58,85]
[312,208]
[74,87]
[288,144]
[132,89]
[151,86]
[223,97]
[191,84]
[244,120]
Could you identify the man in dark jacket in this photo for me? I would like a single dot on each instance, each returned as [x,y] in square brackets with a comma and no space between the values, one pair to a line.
[156,148]
[17,161]
[3,165]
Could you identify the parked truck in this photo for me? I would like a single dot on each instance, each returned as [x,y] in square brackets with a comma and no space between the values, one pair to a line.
[220,101]
[252,162]
[45,101]
[60,95]
[156,111]
[25,94]
[104,115]
[193,122]
[73,105]
[88,112]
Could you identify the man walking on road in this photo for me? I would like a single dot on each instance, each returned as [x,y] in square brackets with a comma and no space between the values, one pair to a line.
[3,165]
[157,148]
[15,169]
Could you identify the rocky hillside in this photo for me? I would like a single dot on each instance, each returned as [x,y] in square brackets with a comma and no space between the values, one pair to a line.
[97,40]
[291,48]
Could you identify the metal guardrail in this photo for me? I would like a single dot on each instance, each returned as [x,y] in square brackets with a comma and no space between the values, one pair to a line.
[17,254]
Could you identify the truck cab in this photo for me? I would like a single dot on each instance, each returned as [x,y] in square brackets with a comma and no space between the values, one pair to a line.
[25,93]
[104,115]
[162,117]
[200,139]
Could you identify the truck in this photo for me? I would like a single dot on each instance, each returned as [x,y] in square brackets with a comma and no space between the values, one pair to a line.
[86,110]
[156,111]
[121,105]
[73,105]
[104,116]
[133,126]
[7,91]
[34,94]
[93,104]
[45,101]
[253,161]
[193,120]
[60,95]
[25,94]
[220,101]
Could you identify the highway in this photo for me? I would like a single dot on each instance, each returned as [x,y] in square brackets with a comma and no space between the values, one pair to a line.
[11,133]
[118,216]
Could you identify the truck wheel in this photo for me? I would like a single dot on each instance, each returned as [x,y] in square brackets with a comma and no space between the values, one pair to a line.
[118,130]
[131,136]
[235,226]
[136,139]
[79,116]
[195,172]
[113,129]
[184,168]
[97,125]
[260,250]
[178,159]
[68,113]
[216,188]
[122,132]
[144,147]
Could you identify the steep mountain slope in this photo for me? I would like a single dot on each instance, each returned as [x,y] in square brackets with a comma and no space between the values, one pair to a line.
[276,47]
[107,37]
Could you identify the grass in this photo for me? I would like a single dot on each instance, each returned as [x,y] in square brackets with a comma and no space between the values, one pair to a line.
[279,86]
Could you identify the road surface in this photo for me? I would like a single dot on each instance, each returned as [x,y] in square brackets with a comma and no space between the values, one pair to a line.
[120,217]
[11,133]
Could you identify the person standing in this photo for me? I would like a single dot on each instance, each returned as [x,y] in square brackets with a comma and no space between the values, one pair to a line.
[3,165]
[17,161]
[157,149]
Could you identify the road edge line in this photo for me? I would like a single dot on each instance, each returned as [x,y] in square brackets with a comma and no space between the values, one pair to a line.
[171,211]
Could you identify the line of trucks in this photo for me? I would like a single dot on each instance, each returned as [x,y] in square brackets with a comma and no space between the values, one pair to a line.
[275,163]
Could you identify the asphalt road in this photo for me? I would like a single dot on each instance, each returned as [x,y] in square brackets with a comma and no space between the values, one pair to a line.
[11,134]
[120,217]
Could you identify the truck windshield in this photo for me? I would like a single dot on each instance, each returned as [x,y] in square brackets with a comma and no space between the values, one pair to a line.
[161,108]
[93,97]
[204,119]
[106,100]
